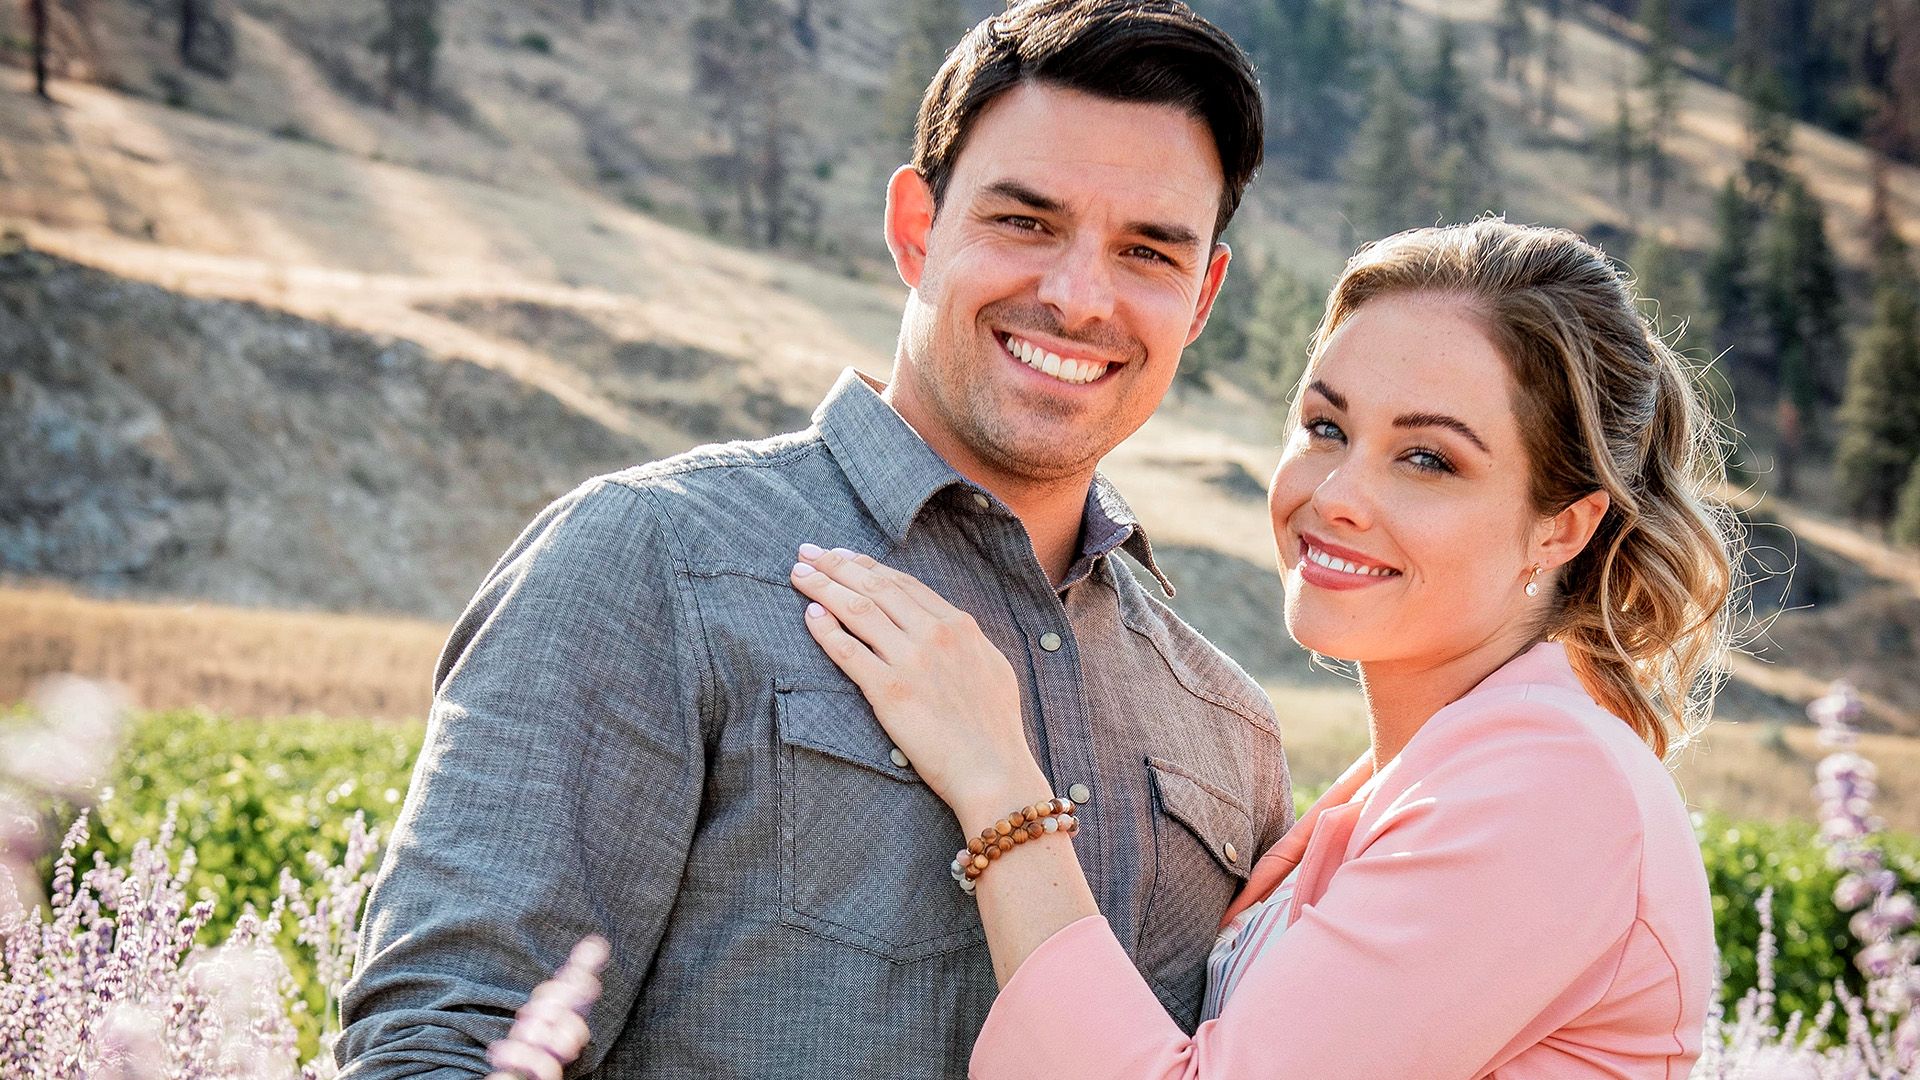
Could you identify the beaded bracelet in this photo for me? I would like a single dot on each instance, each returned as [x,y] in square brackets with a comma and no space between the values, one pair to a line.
[1024,824]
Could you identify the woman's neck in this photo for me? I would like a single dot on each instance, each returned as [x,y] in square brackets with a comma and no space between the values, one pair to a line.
[1402,695]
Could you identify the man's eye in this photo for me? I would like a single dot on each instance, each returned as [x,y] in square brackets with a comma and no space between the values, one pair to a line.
[1149,254]
[1021,222]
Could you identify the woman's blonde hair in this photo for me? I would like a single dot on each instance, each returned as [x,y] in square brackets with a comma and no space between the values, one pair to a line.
[1603,403]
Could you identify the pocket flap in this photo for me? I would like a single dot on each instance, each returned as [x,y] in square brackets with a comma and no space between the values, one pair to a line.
[839,724]
[1222,826]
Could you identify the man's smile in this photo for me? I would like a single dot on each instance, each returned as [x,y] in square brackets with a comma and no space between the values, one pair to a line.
[1075,370]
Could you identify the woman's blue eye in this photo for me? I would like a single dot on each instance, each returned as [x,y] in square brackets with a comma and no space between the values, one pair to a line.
[1322,428]
[1435,461]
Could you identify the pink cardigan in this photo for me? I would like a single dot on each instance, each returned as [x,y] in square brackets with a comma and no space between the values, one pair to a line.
[1519,894]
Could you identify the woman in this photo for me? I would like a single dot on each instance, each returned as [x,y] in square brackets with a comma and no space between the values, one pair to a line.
[1494,502]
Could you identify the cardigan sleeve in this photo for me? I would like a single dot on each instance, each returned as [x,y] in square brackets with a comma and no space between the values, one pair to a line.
[1503,877]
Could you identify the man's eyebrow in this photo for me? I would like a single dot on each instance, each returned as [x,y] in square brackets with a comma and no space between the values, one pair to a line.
[1021,193]
[1409,420]
[1178,236]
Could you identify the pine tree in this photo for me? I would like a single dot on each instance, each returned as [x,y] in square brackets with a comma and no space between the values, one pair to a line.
[410,44]
[932,28]
[1769,140]
[1512,41]
[1383,169]
[1304,50]
[743,70]
[1660,78]
[1553,62]
[189,29]
[1622,143]
[1880,417]
[1446,86]
[1669,297]
[1906,519]
[37,31]
[1727,276]
[1803,308]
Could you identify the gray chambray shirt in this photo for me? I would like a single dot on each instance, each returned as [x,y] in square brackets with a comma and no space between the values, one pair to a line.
[633,735]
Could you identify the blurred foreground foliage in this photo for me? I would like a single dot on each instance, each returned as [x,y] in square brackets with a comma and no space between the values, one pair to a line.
[253,796]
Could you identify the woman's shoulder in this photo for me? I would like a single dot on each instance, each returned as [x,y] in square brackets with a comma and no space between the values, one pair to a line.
[1531,737]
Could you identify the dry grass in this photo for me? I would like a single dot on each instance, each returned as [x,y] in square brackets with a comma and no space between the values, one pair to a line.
[228,660]
[1747,770]
[277,663]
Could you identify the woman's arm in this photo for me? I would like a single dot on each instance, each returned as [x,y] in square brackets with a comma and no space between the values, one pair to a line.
[950,702]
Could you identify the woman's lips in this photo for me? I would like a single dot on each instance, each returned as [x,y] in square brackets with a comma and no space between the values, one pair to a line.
[1321,567]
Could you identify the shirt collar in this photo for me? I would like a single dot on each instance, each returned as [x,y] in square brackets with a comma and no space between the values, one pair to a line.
[894,473]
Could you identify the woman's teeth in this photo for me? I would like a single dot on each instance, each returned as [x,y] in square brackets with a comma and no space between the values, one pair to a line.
[1066,370]
[1346,567]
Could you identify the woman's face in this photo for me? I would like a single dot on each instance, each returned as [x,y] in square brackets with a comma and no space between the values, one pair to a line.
[1407,473]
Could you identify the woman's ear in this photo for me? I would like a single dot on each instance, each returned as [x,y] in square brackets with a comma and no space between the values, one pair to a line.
[1566,533]
[909,219]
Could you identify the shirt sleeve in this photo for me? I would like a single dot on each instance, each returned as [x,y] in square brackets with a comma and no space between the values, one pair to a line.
[1480,894]
[556,795]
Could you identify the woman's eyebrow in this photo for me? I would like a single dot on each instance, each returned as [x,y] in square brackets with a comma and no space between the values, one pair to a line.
[1441,420]
[1408,420]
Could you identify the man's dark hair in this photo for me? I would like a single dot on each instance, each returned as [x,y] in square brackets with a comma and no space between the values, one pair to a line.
[1154,52]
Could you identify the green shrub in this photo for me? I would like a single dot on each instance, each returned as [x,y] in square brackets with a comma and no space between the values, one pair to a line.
[1743,858]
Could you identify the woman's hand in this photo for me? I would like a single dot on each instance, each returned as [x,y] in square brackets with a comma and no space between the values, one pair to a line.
[946,696]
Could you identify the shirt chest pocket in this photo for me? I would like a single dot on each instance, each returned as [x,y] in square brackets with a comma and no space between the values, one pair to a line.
[864,844]
[1202,851]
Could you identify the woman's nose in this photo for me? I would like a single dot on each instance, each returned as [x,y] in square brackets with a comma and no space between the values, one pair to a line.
[1345,495]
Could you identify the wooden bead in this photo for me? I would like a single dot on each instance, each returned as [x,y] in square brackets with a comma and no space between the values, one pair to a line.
[1019,835]
[1002,827]
[979,863]
[1006,843]
[988,835]
[977,845]
[1035,830]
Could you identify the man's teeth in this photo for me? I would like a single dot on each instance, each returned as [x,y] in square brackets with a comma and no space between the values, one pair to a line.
[1346,567]
[1066,370]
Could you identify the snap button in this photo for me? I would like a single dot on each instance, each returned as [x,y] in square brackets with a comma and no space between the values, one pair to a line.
[1232,853]
[1079,793]
[899,759]
[981,502]
[1050,641]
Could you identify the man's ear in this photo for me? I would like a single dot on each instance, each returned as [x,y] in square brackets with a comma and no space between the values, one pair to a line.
[1566,534]
[909,220]
[1210,288]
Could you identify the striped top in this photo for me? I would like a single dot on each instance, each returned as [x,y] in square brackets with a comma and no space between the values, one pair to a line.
[1240,944]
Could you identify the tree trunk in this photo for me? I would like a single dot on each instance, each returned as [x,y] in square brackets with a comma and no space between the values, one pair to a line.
[37,21]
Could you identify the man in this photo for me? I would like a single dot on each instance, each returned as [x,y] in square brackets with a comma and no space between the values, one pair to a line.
[633,734]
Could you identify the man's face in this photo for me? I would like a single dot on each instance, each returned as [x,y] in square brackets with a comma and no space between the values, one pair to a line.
[1069,264]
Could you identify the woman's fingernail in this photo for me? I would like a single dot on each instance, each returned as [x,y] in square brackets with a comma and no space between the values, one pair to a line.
[801,569]
[845,553]
[815,611]
[811,551]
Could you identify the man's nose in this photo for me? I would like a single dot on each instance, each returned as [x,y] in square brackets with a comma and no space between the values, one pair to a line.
[1078,286]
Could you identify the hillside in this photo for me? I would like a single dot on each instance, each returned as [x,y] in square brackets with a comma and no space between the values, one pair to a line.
[272,344]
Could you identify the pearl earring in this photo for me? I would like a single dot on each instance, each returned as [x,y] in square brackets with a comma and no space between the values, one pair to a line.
[1533,587]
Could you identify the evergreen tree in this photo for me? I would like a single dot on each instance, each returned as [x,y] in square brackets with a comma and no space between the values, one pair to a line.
[1383,169]
[1728,285]
[1512,41]
[932,27]
[189,29]
[1660,76]
[1802,300]
[1669,297]
[1553,62]
[1906,519]
[1769,140]
[1258,332]
[1304,50]
[409,44]
[1880,417]
[1446,86]
[744,60]
[1622,143]
[37,32]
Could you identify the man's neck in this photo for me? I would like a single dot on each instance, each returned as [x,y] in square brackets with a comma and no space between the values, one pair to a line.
[1051,509]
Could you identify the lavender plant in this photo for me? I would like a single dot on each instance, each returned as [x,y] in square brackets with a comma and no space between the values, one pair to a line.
[1879,1038]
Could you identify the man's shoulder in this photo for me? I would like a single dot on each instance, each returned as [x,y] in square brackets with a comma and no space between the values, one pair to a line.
[1196,662]
[744,463]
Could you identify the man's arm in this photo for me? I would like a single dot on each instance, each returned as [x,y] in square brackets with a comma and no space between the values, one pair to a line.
[556,795]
